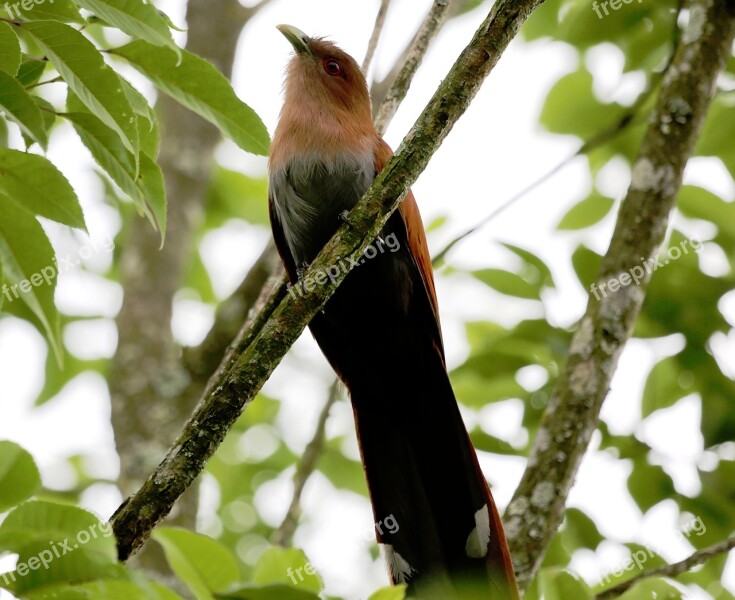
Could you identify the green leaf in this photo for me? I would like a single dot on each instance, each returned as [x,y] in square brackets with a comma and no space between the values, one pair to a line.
[557,556]
[653,588]
[107,589]
[19,477]
[586,213]
[137,100]
[718,130]
[80,64]
[235,195]
[152,187]
[29,268]
[287,565]
[108,150]
[698,203]
[146,189]
[560,584]
[343,472]
[397,592]
[542,22]
[55,377]
[139,19]
[435,225]
[30,71]
[58,10]
[199,86]
[203,564]
[476,392]
[267,592]
[534,269]
[150,141]
[580,531]
[507,283]
[48,111]
[649,484]
[169,22]
[20,107]
[489,443]
[9,50]
[57,543]
[586,265]
[39,188]
[664,386]
[3,133]
[571,107]
[147,121]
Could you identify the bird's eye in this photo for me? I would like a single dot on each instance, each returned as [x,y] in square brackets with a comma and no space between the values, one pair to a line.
[332,67]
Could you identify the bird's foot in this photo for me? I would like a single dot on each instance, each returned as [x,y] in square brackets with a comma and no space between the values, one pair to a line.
[301,271]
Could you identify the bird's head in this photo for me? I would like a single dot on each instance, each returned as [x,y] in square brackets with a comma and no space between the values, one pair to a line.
[323,73]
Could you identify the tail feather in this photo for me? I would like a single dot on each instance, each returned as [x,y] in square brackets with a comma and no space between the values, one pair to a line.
[381,334]
[422,469]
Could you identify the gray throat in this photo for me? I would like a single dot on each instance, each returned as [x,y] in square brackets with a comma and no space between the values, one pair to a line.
[309,196]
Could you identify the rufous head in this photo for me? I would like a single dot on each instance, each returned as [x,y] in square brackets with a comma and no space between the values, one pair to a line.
[322,72]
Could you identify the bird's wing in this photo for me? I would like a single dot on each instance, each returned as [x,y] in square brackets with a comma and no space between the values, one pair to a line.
[416,236]
[280,239]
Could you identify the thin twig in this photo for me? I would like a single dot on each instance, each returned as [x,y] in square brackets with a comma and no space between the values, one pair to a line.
[375,37]
[672,570]
[40,83]
[398,90]
[305,468]
[251,11]
[597,140]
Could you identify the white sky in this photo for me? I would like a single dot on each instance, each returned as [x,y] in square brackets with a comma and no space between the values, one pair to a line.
[495,150]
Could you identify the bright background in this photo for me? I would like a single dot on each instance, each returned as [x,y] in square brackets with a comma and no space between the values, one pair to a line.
[495,150]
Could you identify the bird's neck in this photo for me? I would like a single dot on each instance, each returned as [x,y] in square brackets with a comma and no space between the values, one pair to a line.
[309,128]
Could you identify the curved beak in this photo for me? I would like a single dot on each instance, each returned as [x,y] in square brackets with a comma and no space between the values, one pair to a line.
[299,40]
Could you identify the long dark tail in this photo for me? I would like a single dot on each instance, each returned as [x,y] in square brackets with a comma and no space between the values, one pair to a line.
[434,514]
[447,539]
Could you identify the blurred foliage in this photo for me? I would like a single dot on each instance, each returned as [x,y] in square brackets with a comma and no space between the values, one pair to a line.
[683,309]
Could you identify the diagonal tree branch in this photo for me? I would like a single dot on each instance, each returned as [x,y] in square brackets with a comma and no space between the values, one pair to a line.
[597,140]
[571,417]
[694,560]
[375,37]
[261,348]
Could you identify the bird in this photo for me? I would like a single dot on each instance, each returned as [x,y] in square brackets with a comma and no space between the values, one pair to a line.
[380,332]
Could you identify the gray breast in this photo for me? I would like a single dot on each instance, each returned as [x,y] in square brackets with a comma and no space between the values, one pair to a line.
[309,196]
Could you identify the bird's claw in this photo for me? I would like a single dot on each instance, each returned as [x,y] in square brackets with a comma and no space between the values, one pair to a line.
[344,216]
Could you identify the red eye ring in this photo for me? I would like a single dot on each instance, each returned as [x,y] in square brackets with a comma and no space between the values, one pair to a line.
[332,66]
